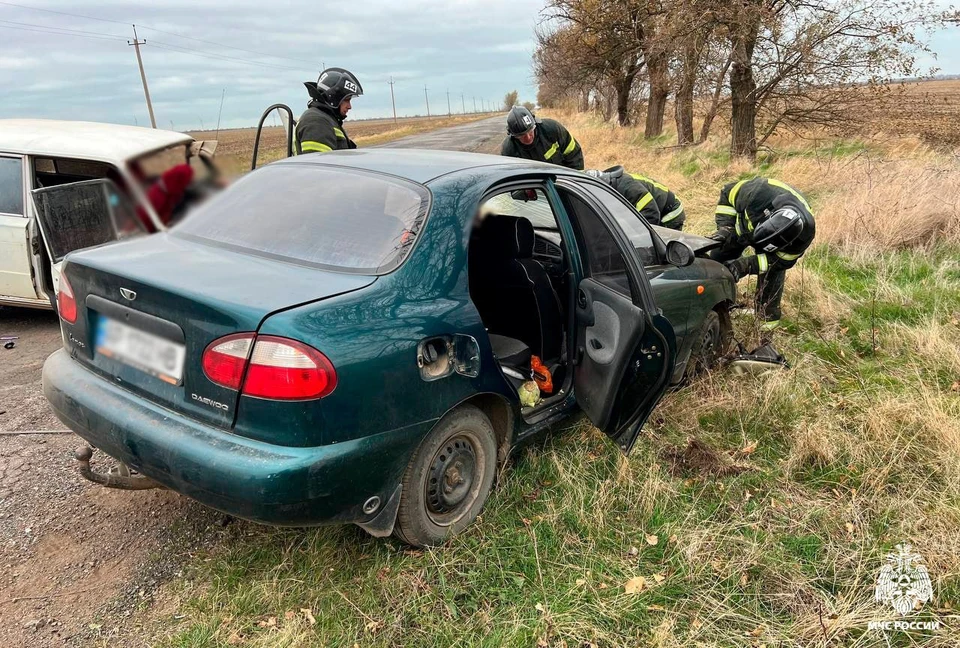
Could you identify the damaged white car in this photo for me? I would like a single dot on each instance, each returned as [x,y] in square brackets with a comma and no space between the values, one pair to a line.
[67,185]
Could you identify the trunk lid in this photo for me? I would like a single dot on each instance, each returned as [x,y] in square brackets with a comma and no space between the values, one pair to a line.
[188,293]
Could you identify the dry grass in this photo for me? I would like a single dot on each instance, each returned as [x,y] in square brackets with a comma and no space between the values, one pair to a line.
[868,194]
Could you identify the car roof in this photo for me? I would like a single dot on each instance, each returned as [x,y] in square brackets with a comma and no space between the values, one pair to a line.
[86,140]
[420,165]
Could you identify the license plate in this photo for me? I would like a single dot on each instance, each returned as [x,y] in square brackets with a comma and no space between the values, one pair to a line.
[145,351]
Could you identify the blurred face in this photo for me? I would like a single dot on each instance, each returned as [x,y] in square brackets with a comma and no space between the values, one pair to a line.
[345,107]
[527,138]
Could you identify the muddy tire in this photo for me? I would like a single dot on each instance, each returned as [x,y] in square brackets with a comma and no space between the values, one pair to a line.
[710,345]
[448,478]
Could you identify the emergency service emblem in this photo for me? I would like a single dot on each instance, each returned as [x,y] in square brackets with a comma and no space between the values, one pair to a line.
[904,582]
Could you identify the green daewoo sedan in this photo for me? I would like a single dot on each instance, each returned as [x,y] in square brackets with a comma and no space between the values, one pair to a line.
[342,338]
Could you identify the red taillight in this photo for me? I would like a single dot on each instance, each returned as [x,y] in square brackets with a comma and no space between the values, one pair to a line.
[278,368]
[225,359]
[66,304]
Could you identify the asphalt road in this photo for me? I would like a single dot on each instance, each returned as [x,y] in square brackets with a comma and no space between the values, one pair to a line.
[482,136]
[62,537]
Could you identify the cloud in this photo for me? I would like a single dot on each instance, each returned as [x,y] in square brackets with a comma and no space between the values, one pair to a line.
[261,55]
[17,62]
[523,47]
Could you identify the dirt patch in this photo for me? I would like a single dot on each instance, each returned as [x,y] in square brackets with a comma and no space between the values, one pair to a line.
[698,459]
[71,551]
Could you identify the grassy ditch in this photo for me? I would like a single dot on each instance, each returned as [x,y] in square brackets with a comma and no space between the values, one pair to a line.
[754,512]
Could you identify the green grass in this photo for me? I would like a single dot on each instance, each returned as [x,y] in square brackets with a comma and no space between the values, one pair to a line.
[850,452]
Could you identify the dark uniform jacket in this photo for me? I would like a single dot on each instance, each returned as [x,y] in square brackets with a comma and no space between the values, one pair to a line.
[321,129]
[746,204]
[551,143]
[655,202]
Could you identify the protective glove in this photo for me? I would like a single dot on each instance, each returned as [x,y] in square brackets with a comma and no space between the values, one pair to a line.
[740,268]
[722,235]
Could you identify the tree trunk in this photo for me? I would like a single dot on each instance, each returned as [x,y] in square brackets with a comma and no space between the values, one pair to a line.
[658,70]
[743,95]
[624,86]
[714,101]
[683,101]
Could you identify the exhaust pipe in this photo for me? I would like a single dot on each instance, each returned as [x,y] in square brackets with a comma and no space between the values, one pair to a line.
[121,479]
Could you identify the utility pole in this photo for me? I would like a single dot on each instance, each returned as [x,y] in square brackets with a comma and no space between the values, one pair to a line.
[220,112]
[463,105]
[427,99]
[392,102]
[474,104]
[449,112]
[143,77]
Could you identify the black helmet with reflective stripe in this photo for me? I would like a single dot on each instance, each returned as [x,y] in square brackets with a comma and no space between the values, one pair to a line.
[779,230]
[519,121]
[333,86]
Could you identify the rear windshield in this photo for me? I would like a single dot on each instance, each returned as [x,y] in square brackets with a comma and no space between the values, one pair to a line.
[337,219]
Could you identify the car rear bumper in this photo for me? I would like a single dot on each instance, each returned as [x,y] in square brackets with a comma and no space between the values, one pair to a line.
[258,481]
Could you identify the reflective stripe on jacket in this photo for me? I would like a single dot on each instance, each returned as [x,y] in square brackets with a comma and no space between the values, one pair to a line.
[319,130]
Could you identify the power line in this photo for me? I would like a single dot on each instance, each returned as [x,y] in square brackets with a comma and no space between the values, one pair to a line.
[202,40]
[212,55]
[169,33]
[64,30]
[63,13]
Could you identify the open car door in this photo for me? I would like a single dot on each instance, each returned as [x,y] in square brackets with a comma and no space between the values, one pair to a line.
[83,214]
[625,349]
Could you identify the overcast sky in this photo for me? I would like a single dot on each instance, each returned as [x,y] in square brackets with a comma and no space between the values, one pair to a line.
[480,48]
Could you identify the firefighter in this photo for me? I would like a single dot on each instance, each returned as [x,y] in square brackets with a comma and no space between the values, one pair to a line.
[544,140]
[775,220]
[652,200]
[320,128]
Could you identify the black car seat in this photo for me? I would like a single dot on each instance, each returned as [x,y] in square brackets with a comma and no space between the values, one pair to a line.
[511,290]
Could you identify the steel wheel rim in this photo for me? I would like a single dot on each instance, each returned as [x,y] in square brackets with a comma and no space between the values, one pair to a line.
[454,479]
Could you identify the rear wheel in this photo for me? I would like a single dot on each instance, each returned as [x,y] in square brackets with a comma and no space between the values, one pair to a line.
[710,346]
[448,479]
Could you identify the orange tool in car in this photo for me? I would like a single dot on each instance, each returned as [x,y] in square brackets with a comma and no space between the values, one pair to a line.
[541,375]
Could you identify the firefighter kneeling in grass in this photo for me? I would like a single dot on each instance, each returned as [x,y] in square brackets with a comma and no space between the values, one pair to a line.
[775,220]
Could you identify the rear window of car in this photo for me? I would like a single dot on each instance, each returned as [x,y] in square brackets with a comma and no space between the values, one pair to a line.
[336,219]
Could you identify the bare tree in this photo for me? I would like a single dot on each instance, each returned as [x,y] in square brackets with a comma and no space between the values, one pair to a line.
[510,99]
[602,39]
[804,62]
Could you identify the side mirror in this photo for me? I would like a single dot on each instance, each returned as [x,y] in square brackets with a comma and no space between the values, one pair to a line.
[525,195]
[680,254]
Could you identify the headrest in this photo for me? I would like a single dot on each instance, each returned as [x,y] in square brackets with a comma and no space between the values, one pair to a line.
[509,237]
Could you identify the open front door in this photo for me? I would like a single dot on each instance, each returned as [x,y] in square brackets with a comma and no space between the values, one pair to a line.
[624,348]
[79,215]
[625,357]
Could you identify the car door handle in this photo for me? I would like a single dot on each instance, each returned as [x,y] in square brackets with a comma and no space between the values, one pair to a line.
[581,299]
